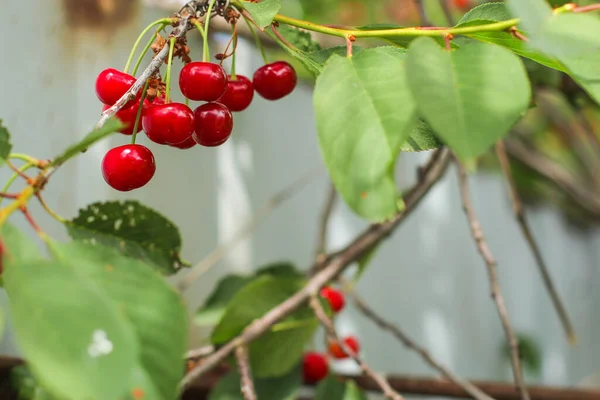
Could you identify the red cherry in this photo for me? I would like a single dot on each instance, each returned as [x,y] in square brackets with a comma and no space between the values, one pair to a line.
[128,115]
[274,81]
[239,93]
[314,367]
[169,123]
[214,124]
[160,99]
[462,4]
[188,143]
[336,350]
[112,84]
[128,167]
[202,81]
[335,298]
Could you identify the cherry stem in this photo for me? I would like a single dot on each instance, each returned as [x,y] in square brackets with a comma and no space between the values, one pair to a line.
[199,27]
[257,40]
[169,65]
[14,177]
[233,58]
[148,45]
[9,195]
[138,116]
[24,157]
[206,50]
[32,222]
[349,41]
[162,21]
[592,7]
[18,171]
[51,212]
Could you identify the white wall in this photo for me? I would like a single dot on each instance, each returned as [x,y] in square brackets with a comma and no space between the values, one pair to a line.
[428,278]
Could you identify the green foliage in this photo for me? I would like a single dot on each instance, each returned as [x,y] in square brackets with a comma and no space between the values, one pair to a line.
[5,144]
[362,127]
[93,323]
[300,39]
[421,138]
[133,229]
[111,126]
[26,386]
[264,12]
[213,309]
[285,387]
[275,353]
[533,13]
[484,14]
[529,351]
[469,101]
[334,388]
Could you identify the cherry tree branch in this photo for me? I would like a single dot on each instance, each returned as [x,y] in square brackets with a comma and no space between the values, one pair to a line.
[335,264]
[177,32]
[327,323]
[247,384]
[222,250]
[525,228]
[490,263]
[411,344]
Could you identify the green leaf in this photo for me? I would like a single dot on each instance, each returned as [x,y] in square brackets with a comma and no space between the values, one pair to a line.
[422,138]
[469,101]
[275,353]
[285,387]
[301,39]
[331,388]
[77,340]
[280,269]
[584,70]
[213,309]
[153,309]
[353,392]
[17,247]
[568,35]
[533,13]
[5,144]
[321,56]
[111,126]
[484,14]
[132,228]
[365,113]
[263,13]
[27,387]
[364,262]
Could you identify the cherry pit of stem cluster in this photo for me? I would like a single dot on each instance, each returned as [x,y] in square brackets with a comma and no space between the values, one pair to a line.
[130,167]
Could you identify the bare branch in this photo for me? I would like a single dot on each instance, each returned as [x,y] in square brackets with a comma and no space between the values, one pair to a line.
[270,205]
[436,168]
[555,174]
[409,343]
[321,249]
[524,225]
[490,262]
[327,323]
[247,384]
[179,31]
[200,352]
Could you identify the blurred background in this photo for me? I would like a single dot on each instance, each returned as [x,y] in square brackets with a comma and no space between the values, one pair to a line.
[428,277]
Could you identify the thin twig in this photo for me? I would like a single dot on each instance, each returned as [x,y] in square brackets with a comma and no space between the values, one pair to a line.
[327,323]
[490,262]
[334,266]
[555,174]
[411,344]
[223,249]
[199,352]
[420,4]
[247,384]
[525,228]
[324,219]
[154,66]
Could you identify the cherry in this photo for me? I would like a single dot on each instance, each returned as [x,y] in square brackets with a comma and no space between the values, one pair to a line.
[274,81]
[462,4]
[111,85]
[128,115]
[214,124]
[128,167]
[335,298]
[336,350]
[202,81]
[169,123]
[314,367]
[188,143]
[239,93]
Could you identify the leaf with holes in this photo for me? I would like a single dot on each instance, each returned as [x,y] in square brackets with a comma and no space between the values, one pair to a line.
[263,13]
[277,352]
[5,144]
[469,101]
[285,387]
[154,311]
[111,126]
[132,228]
[365,113]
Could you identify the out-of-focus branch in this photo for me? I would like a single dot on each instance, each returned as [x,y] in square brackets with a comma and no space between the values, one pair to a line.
[247,384]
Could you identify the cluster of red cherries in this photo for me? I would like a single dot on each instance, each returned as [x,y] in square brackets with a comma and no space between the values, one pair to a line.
[316,365]
[132,166]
